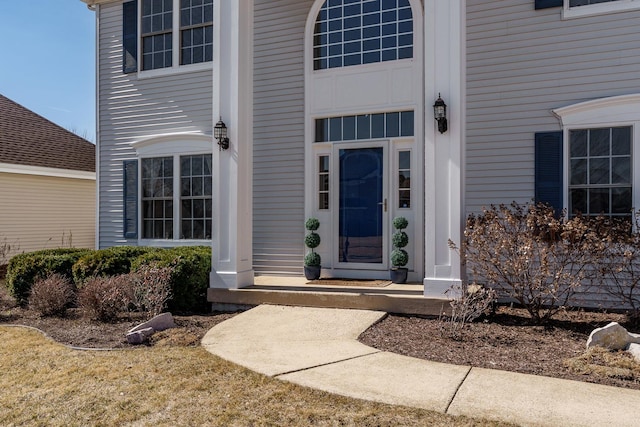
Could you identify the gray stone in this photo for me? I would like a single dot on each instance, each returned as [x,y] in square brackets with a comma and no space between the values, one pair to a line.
[613,336]
[159,323]
[139,336]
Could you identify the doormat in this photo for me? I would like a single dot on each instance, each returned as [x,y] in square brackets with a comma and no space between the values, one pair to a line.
[351,283]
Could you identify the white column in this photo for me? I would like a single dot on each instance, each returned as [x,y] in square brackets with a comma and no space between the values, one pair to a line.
[444,74]
[232,256]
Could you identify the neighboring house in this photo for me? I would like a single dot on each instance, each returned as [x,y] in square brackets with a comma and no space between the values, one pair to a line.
[47,183]
[329,111]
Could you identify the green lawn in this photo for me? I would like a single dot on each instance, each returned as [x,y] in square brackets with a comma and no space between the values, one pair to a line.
[44,383]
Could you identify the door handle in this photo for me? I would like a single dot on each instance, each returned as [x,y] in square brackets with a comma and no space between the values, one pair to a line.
[384,205]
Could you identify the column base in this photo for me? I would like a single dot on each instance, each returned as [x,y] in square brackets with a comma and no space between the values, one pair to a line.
[437,287]
[231,279]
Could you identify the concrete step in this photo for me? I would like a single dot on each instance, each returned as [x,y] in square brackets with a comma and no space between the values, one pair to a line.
[403,299]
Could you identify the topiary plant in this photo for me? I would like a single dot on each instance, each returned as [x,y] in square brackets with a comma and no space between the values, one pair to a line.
[312,241]
[312,259]
[400,239]
[399,257]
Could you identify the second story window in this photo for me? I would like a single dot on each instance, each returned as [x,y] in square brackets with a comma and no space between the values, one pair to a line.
[352,32]
[175,32]
[196,31]
[157,20]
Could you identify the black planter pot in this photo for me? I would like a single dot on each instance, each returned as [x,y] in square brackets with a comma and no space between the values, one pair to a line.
[398,274]
[312,272]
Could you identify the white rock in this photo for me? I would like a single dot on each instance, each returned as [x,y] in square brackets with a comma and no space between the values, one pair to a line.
[159,323]
[634,349]
[139,336]
[635,338]
[613,336]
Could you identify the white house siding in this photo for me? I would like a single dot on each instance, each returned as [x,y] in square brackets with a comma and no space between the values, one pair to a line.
[279,136]
[521,64]
[44,212]
[131,108]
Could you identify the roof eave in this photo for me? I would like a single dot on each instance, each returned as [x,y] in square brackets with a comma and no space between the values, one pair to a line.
[91,3]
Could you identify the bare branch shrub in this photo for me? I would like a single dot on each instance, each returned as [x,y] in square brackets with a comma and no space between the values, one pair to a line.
[5,249]
[151,288]
[467,305]
[527,253]
[103,298]
[620,265]
[52,296]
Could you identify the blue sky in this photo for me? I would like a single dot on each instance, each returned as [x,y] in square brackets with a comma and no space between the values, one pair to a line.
[47,60]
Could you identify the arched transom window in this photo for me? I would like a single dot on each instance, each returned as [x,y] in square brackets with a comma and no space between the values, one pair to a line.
[354,32]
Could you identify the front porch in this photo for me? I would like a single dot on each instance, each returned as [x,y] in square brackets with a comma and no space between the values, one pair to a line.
[296,291]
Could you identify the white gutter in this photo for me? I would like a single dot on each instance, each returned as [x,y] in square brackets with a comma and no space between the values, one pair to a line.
[43,171]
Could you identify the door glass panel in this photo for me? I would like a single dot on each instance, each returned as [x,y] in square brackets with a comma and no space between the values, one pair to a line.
[361,190]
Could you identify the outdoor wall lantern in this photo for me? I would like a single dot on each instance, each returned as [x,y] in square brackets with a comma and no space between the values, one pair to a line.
[220,133]
[440,113]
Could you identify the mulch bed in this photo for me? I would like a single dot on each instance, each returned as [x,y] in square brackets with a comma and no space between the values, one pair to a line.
[78,331]
[507,341]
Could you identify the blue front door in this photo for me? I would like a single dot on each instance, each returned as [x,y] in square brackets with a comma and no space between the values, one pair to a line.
[362,208]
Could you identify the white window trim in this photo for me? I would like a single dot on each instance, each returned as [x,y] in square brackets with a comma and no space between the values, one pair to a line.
[598,8]
[616,111]
[175,68]
[170,145]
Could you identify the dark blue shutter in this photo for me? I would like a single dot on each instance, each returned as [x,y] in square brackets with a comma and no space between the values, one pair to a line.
[130,37]
[545,4]
[130,199]
[548,169]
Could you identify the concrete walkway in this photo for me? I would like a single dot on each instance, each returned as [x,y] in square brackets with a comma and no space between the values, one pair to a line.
[318,348]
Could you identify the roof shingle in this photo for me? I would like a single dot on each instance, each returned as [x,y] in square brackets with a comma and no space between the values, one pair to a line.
[27,138]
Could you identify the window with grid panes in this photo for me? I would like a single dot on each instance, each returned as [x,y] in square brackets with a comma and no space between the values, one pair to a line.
[196,31]
[194,199]
[323,182]
[194,35]
[404,179]
[600,171]
[354,32]
[365,126]
[157,34]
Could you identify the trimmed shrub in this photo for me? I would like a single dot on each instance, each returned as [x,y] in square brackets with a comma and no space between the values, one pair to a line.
[312,259]
[107,262]
[399,257]
[25,269]
[400,239]
[312,224]
[189,278]
[400,223]
[312,240]
[52,296]
[103,298]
